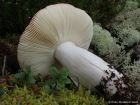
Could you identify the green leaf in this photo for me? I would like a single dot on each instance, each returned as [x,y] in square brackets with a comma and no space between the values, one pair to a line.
[2,91]
[25,77]
[59,78]
[47,89]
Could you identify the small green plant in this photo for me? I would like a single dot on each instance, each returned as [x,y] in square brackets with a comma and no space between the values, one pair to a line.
[57,79]
[24,77]
[2,91]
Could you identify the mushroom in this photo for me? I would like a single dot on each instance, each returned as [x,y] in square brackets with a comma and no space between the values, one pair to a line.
[64,32]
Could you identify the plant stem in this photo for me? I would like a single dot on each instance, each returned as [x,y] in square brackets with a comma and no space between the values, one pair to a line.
[4,63]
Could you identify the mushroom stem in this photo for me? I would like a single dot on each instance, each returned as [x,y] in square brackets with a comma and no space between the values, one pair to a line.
[89,68]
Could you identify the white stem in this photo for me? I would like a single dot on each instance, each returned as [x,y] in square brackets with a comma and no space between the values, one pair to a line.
[4,63]
[85,66]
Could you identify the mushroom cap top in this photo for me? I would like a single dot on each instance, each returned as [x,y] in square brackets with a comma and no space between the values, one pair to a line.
[50,27]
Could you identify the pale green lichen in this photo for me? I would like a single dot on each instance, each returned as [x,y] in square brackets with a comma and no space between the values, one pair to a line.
[126,31]
[133,72]
[126,27]
[129,36]
[103,42]
[131,5]
[129,19]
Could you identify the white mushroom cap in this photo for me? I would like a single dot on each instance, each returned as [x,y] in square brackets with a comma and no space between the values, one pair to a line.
[49,28]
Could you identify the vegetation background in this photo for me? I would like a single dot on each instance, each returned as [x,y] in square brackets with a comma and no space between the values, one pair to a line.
[116,31]
[16,14]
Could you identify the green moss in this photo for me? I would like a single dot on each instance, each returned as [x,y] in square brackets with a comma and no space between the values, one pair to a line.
[34,92]
[26,96]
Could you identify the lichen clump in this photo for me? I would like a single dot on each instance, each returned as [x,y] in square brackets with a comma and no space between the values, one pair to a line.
[116,46]
[103,41]
[126,27]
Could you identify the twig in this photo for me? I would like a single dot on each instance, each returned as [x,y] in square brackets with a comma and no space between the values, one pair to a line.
[4,63]
[76,83]
[19,101]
